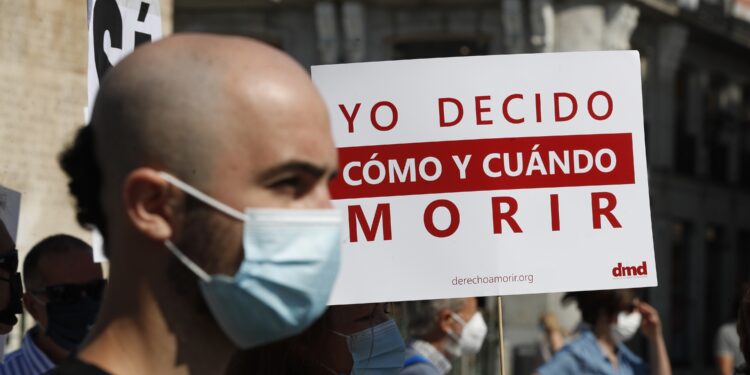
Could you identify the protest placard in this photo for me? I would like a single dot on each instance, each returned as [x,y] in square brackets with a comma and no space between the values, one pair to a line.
[115,28]
[490,175]
[10,209]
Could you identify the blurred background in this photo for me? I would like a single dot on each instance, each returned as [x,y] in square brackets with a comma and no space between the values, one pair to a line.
[695,59]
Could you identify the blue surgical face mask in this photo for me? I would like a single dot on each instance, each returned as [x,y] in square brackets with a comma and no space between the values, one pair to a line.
[377,350]
[286,276]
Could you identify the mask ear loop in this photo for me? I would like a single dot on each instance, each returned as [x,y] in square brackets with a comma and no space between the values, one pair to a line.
[318,359]
[372,337]
[187,262]
[459,319]
[203,197]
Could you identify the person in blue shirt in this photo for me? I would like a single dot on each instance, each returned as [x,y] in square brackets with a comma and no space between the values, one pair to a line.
[610,318]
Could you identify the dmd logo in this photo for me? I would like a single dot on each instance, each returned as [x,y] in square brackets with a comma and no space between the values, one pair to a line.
[625,271]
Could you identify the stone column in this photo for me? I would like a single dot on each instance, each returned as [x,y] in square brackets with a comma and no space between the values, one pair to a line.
[621,21]
[541,25]
[671,40]
[513,30]
[326,25]
[585,25]
[694,120]
[353,21]
[579,26]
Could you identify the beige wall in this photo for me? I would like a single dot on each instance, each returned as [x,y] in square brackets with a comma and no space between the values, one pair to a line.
[42,91]
[43,53]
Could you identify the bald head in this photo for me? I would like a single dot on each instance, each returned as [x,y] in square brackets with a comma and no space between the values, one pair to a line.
[175,103]
[236,119]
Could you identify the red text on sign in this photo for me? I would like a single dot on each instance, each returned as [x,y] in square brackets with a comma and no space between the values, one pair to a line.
[510,108]
[380,108]
[484,164]
[503,211]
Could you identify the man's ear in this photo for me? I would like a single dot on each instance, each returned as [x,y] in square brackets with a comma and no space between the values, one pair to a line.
[30,305]
[147,198]
[444,320]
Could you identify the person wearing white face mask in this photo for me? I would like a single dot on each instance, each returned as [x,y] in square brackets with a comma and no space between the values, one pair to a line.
[611,317]
[442,330]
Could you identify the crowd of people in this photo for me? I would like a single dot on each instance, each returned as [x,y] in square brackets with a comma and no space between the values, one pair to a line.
[206,167]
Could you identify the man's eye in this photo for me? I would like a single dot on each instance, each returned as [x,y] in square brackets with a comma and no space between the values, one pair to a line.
[293,186]
[286,182]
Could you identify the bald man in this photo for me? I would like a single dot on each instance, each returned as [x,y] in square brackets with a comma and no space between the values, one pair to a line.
[213,157]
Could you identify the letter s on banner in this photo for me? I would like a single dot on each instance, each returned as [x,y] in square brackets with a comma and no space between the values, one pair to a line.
[106,19]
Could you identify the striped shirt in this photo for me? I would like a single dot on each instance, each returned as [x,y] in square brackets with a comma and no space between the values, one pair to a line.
[27,360]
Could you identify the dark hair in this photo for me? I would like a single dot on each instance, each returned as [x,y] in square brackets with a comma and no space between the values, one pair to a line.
[56,244]
[610,302]
[78,161]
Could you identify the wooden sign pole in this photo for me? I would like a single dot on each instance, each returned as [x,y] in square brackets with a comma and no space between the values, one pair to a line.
[501,340]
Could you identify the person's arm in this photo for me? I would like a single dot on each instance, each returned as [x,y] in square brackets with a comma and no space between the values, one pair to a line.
[723,356]
[651,328]
[725,364]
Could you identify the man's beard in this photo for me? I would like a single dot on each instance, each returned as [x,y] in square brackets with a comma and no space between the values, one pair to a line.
[204,237]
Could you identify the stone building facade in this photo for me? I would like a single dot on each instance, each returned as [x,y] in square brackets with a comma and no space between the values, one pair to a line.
[696,87]
[43,52]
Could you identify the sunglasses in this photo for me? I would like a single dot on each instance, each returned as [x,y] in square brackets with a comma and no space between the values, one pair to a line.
[71,293]
[9,261]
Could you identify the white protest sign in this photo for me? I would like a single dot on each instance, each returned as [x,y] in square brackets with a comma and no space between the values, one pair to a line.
[490,175]
[10,210]
[116,27]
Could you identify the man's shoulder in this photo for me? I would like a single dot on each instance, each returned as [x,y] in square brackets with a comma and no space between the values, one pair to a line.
[74,366]
[563,362]
[420,369]
[12,356]
[728,330]
[10,362]
[22,361]
[416,364]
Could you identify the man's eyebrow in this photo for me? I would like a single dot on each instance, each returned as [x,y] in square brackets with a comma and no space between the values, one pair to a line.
[334,174]
[294,166]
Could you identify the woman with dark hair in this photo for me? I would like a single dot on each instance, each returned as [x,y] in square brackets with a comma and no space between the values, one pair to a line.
[610,318]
